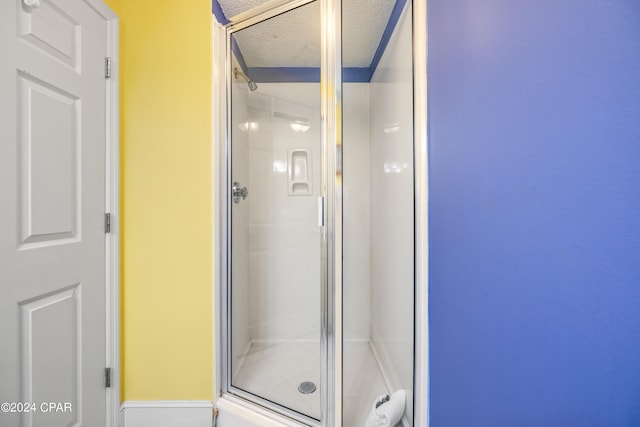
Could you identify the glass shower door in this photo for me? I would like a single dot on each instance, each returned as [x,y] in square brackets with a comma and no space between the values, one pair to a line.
[274,181]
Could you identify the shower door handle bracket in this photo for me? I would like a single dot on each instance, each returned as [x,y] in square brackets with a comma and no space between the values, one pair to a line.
[320,211]
[237,191]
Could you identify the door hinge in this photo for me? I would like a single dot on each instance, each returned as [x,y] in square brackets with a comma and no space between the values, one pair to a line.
[107,377]
[107,67]
[107,223]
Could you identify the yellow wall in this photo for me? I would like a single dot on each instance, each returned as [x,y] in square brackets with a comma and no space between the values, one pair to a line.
[165,66]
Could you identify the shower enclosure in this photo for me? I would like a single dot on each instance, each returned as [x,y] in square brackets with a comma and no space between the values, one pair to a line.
[321,213]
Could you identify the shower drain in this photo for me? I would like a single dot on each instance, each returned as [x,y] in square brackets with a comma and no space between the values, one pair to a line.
[306,387]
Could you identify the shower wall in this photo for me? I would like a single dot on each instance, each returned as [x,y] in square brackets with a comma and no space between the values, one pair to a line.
[283,289]
[377,219]
[282,286]
[392,211]
[356,190]
[284,250]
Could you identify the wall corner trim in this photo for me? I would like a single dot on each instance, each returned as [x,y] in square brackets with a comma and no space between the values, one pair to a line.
[166,413]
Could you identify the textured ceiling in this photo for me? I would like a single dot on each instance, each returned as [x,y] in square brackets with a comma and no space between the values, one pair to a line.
[293,39]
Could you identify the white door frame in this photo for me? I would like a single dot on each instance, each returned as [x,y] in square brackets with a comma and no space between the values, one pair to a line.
[112,206]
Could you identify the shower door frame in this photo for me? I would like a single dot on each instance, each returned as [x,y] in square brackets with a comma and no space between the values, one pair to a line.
[330,338]
[331,182]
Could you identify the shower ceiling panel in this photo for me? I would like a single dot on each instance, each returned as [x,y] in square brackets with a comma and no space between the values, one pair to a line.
[291,40]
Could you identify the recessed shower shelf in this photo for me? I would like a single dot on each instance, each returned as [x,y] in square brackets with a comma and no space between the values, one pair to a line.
[299,177]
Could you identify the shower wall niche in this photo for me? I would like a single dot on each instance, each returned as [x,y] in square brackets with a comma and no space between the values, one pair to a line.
[280,349]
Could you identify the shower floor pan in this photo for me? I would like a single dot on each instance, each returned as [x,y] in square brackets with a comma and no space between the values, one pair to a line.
[274,371]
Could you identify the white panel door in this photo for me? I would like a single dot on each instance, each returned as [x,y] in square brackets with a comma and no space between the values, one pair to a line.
[52,205]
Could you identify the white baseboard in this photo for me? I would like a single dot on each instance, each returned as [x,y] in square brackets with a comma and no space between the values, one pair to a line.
[163,413]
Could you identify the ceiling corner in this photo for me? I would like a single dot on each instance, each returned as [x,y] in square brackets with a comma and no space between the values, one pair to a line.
[218,12]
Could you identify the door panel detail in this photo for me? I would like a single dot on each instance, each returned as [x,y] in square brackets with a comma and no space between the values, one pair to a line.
[48,145]
[50,332]
[51,30]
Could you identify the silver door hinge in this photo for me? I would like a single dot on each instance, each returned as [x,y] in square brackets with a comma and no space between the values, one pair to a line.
[107,223]
[107,377]
[107,67]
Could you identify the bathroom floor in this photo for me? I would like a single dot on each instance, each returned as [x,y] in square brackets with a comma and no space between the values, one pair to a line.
[275,370]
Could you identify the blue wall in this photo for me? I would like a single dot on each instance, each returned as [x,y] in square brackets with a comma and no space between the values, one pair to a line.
[534,116]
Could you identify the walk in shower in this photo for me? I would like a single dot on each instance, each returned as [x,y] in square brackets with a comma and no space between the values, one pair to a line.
[320,280]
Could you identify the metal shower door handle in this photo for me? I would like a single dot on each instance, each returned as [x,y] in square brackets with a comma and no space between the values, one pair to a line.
[238,191]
